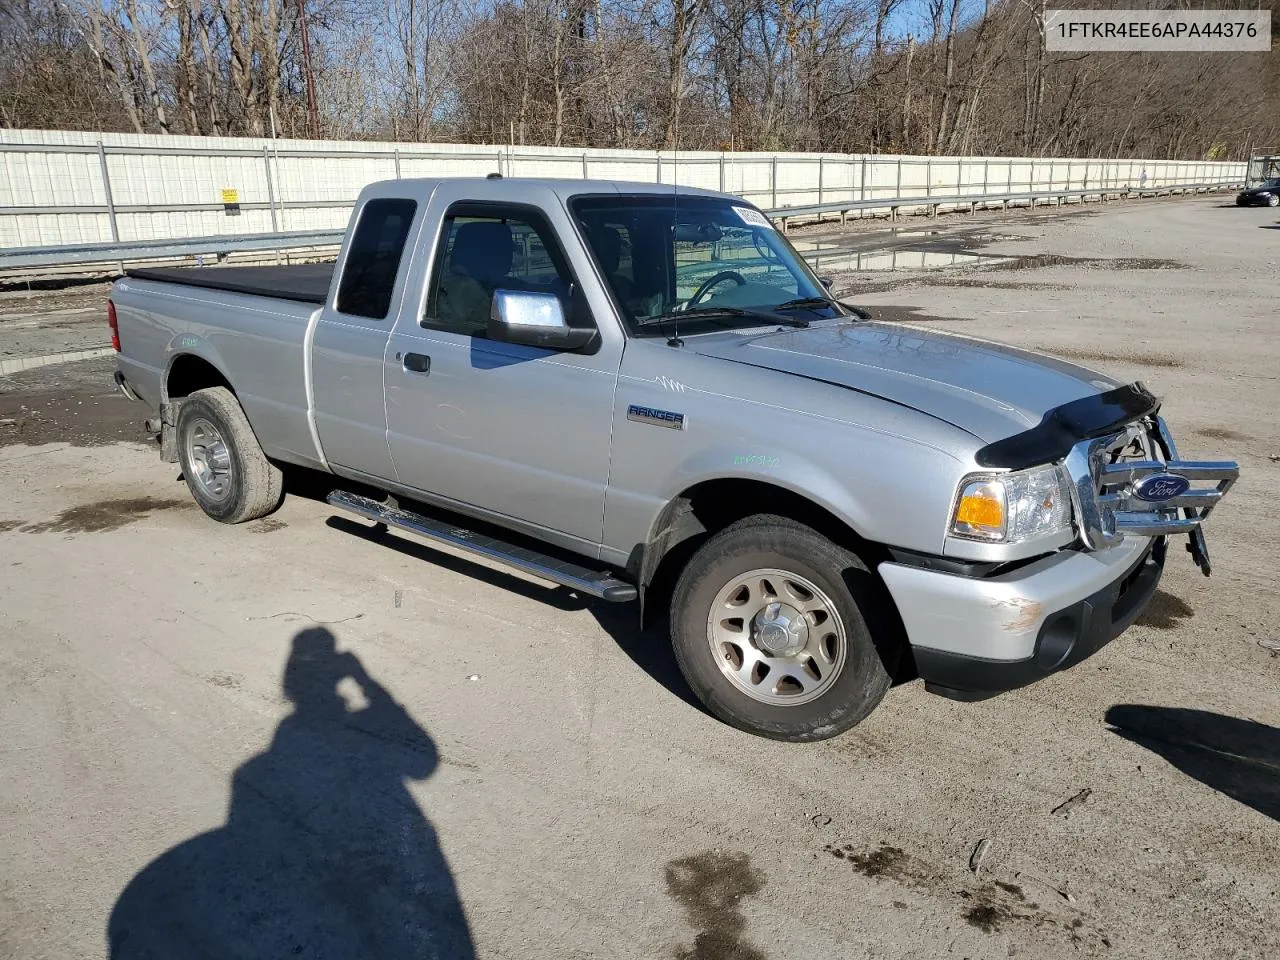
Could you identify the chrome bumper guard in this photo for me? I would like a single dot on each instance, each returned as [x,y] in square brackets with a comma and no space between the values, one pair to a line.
[1104,488]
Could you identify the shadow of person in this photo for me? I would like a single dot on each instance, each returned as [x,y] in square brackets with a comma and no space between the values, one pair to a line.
[324,853]
[1240,758]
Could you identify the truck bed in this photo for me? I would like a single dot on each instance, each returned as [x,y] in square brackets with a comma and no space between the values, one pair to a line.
[305,282]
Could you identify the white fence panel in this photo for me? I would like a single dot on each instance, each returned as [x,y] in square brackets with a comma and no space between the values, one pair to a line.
[61,188]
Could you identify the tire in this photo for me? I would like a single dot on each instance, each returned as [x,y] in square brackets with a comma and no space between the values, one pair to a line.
[226,471]
[1273,200]
[846,606]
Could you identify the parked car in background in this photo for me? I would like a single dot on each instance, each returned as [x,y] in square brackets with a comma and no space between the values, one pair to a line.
[1265,194]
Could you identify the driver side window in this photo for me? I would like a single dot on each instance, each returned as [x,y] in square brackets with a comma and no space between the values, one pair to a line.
[486,250]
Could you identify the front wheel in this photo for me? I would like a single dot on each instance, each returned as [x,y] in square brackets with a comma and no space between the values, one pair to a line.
[226,471]
[1273,200]
[771,624]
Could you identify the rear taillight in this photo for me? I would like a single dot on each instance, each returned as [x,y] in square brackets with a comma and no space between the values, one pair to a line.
[115,326]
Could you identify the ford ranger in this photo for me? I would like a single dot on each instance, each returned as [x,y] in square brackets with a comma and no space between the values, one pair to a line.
[646,394]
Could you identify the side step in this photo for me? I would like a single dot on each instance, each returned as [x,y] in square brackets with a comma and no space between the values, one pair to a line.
[595,583]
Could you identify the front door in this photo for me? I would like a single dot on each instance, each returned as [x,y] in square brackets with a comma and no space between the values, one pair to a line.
[521,432]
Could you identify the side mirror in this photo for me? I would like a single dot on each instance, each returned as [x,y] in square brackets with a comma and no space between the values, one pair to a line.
[826,283]
[535,320]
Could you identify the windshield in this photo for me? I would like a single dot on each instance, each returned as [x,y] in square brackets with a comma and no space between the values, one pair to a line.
[705,263]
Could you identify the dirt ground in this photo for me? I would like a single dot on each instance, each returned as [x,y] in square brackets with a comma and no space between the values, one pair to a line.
[302,739]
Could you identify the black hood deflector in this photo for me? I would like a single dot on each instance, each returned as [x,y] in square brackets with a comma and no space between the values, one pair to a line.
[1065,426]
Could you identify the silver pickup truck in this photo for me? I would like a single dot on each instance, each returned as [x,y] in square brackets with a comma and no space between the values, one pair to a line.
[643,393]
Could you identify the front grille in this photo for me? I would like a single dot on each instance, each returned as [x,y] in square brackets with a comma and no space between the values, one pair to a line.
[1105,473]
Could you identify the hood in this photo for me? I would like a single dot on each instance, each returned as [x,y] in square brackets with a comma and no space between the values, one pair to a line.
[989,390]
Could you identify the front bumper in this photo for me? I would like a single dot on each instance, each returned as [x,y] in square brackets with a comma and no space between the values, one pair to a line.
[975,637]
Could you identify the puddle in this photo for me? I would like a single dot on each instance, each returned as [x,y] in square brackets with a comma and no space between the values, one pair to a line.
[103,516]
[834,257]
[886,861]
[710,887]
[1165,611]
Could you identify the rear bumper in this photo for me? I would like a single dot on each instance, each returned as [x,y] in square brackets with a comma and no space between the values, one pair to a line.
[973,638]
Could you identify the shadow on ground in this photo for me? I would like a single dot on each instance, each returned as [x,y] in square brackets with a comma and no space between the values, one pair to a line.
[324,853]
[648,646]
[1240,758]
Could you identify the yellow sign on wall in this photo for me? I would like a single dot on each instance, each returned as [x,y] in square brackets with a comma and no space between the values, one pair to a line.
[230,196]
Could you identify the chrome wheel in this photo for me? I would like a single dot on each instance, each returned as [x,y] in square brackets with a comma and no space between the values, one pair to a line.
[777,637]
[209,459]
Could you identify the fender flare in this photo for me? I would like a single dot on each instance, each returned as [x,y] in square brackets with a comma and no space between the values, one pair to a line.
[674,523]
[189,345]
[178,348]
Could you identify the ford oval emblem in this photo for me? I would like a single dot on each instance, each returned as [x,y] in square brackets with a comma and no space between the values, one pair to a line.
[1161,486]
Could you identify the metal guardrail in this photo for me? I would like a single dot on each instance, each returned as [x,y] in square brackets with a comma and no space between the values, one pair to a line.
[111,252]
[974,199]
[119,252]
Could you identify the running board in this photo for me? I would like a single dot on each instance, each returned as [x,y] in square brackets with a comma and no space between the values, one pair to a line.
[595,583]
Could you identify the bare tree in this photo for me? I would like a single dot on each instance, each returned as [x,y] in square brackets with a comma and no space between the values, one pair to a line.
[910,76]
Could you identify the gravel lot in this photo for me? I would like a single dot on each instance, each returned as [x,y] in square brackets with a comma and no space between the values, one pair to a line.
[302,740]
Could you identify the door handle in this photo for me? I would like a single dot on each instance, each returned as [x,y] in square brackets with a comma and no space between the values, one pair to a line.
[417,363]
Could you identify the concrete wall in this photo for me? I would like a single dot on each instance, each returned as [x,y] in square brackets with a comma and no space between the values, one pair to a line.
[54,188]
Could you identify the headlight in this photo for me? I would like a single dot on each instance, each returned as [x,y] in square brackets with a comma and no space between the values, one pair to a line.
[1013,507]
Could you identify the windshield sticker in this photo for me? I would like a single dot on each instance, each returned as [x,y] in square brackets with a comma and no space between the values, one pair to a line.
[752,218]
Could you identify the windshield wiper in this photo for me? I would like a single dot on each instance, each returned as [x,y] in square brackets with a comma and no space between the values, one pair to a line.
[711,313]
[803,303]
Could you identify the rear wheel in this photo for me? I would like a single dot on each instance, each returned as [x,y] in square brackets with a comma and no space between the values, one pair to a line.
[1273,200]
[226,471]
[771,624]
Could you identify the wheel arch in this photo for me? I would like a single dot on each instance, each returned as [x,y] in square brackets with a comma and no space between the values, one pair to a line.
[185,373]
[188,372]
[708,506]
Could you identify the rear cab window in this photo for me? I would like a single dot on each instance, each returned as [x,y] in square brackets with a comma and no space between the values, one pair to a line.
[373,257]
